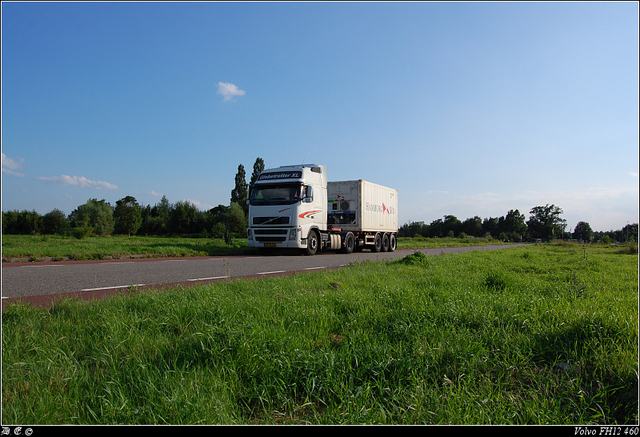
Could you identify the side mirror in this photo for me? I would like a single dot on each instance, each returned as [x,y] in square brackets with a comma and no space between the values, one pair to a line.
[308,195]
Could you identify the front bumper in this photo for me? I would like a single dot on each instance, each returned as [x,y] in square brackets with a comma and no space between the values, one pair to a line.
[284,238]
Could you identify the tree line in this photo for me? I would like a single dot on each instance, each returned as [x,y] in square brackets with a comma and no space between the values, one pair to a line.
[128,217]
[544,223]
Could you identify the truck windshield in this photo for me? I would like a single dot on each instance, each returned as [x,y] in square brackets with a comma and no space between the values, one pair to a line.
[276,194]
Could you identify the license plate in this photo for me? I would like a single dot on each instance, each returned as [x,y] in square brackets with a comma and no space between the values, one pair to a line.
[269,244]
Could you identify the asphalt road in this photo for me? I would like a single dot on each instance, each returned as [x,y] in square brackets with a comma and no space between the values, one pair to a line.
[44,282]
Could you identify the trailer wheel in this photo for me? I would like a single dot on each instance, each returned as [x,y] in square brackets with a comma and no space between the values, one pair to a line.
[349,243]
[393,242]
[385,243]
[377,244]
[312,243]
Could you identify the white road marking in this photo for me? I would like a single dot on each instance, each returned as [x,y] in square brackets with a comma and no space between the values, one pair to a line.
[208,279]
[315,268]
[112,288]
[271,273]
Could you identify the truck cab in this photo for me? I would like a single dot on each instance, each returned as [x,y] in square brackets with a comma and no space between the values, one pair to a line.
[288,208]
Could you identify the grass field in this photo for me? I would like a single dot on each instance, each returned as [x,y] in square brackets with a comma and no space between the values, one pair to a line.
[26,248]
[543,334]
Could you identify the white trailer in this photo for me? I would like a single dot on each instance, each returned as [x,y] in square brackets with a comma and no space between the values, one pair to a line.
[295,207]
[367,210]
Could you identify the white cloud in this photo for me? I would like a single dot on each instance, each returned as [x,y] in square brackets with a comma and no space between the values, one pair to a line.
[201,206]
[229,91]
[8,165]
[80,181]
[633,174]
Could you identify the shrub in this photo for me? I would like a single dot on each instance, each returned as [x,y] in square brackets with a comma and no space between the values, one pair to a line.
[415,258]
[631,248]
[82,232]
[218,230]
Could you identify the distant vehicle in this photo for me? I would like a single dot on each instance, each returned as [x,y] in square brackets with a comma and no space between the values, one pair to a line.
[294,207]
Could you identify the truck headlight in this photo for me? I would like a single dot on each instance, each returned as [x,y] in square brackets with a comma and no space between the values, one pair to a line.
[249,234]
[293,234]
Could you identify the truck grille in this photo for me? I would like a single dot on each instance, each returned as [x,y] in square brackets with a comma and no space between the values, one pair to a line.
[271,220]
[270,235]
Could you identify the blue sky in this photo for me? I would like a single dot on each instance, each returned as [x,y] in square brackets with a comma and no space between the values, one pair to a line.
[469,109]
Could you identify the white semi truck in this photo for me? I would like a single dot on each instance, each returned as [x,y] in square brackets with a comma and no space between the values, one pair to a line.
[295,207]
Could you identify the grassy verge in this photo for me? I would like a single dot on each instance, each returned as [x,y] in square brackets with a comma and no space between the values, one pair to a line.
[25,248]
[535,335]
[428,243]
[57,248]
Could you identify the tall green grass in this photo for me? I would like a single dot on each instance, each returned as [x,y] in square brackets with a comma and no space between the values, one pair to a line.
[536,335]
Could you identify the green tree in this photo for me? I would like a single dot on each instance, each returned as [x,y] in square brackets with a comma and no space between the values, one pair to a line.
[21,222]
[155,220]
[217,219]
[235,219]
[630,232]
[411,229]
[490,227]
[97,214]
[183,216]
[436,229]
[472,226]
[545,222]
[513,225]
[583,232]
[9,221]
[162,211]
[127,216]
[239,193]
[218,213]
[258,166]
[54,221]
[451,225]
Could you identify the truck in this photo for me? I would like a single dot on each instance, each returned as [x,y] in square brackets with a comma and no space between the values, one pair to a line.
[295,207]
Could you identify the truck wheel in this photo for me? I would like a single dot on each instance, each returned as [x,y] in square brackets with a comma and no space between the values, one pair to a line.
[377,244]
[312,243]
[393,243]
[385,243]
[358,247]
[349,243]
